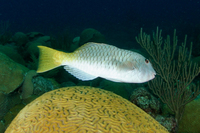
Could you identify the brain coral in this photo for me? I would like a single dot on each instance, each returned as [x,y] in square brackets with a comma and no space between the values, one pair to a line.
[83,109]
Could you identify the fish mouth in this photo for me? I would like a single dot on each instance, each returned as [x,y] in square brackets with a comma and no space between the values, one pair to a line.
[153,75]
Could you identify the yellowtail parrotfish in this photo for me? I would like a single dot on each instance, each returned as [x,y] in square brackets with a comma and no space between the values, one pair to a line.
[94,60]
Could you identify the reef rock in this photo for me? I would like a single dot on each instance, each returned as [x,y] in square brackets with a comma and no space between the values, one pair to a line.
[191,118]
[3,104]
[146,101]
[41,85]
[20,38]
[27,87]
[91,35]
[34,35]
[11,74]
[12,53]
[2,127]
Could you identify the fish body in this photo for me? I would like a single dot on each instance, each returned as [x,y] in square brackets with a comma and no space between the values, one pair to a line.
[94,60]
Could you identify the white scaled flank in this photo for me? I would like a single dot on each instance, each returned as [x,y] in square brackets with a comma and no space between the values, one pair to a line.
[94,60]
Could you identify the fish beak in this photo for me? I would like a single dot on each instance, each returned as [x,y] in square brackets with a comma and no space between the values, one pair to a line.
[154,75]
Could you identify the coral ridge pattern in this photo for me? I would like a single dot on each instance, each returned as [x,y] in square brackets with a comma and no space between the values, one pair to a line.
[83,109]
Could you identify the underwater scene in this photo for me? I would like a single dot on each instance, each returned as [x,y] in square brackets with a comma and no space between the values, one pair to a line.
[83,66]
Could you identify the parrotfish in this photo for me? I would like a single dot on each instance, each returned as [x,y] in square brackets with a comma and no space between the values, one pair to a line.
[94,60]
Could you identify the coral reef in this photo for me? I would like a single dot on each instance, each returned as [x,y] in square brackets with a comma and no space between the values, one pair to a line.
[174,74]
[166,111]
[12,53]
[34,35]
[27,87]
[32,48]
[91,35]
[62,41]
[12,113]
[21,51]
[121,89]
[44,40]
[68,84]
[152,105]
[5,34]
[20,38]
[168,122]
[36,85]
[75,44]
[42,85]
[83,109]
[2,127]
[191,117]
[54,83]
[8,101]
[196,60]
[11,74]
[3,104]
[146,101]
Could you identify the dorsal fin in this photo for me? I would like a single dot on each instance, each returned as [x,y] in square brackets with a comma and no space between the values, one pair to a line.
[89,44]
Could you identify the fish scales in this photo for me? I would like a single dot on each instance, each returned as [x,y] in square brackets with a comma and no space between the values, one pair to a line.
[94,60]
[101,60]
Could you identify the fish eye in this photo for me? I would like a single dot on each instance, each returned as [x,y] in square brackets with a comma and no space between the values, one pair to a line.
[147,61]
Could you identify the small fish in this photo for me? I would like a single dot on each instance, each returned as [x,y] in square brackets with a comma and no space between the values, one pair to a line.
[94,60]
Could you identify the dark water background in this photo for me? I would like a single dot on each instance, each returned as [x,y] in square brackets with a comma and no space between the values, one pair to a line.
[119,20]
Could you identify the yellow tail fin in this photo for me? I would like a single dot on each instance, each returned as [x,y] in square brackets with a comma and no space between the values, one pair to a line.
[49,59]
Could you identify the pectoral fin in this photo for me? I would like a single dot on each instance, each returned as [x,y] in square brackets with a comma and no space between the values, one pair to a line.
[127,65]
